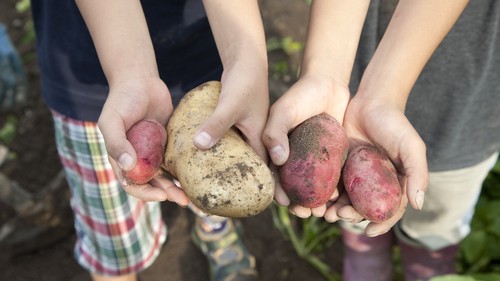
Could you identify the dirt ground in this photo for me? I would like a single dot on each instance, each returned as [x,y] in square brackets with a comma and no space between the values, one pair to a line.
[42,247]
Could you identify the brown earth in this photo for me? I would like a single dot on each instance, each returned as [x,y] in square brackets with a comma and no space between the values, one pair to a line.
[41,248]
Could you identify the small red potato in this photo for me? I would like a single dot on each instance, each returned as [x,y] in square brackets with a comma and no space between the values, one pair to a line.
[371,182]
[318,149]
[149,138]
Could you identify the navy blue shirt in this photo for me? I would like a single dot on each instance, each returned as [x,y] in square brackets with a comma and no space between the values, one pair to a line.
[72,80]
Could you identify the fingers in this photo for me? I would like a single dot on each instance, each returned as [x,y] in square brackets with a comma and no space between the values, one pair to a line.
[174,192]
[299,211]
[279,194]
[319,211]
[349,214]
[158,189]
[212,130]
[114,133]
[341,209]
[232,111]
[416,172]
[275,135]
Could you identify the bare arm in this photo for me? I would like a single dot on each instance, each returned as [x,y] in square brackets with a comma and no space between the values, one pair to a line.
[332,40]
[415,31]
[244,101]
[123,44]
[121,37]
[376,113]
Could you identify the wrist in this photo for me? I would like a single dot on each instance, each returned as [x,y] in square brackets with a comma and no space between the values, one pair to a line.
[381,89]
[333,69]
[131,71]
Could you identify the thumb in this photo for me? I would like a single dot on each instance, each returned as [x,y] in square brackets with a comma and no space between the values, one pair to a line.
[212,130]
[416,172]
[275,136]
[117,146]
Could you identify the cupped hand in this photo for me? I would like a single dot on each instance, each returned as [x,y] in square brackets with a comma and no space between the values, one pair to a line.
[309,96]
[130,101]
[382,122]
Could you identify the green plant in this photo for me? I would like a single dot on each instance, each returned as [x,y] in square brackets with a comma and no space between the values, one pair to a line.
[308,237]
[474,277]
[23,6]
[279,69]
[480,250]
[8,130]
[286,44]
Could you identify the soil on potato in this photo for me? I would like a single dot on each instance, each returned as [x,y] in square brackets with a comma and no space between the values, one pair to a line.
[47,254]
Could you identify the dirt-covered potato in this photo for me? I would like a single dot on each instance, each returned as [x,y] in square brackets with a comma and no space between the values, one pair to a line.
[229,179]
[318,149]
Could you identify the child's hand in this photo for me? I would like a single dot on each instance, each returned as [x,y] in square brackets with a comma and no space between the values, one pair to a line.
[129,102]
[308,97]
[383,123]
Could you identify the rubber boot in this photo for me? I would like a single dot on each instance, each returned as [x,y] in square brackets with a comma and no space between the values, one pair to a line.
[367,258]
[422,264]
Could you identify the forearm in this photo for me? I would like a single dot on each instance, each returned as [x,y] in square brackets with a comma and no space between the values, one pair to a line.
[121,37]
[238,32]
[333,37]
[415,31]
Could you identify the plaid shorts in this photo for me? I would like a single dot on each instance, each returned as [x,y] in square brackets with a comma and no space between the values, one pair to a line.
[117,234]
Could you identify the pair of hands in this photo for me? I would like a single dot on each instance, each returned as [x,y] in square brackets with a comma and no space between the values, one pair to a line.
[245,105]
[375,120]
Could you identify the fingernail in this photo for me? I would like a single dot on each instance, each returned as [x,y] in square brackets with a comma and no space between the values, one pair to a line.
[419,199]
[349,220]
[278,154]
[203,139]
[372,233]
[183,206]
[125,161]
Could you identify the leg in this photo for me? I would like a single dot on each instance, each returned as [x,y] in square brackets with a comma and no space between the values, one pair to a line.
[366,258]
[117,234]
[220,240]
[429,238]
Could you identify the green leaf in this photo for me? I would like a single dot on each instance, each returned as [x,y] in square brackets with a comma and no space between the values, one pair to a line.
[486,276]
[491,185]
[493,213]
[495,227]
[494,247]
[453,278]
[273,44]
[23,5]
[8,131]
[472,277]
[481,214]
[474,246]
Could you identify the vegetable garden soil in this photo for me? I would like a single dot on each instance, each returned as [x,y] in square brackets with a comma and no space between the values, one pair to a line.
[45,242]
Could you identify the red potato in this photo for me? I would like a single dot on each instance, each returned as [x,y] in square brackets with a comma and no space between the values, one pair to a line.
[371,182]
[149,138]
[318,149]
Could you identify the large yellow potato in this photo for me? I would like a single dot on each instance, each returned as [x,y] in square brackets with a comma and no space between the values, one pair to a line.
[229,179]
